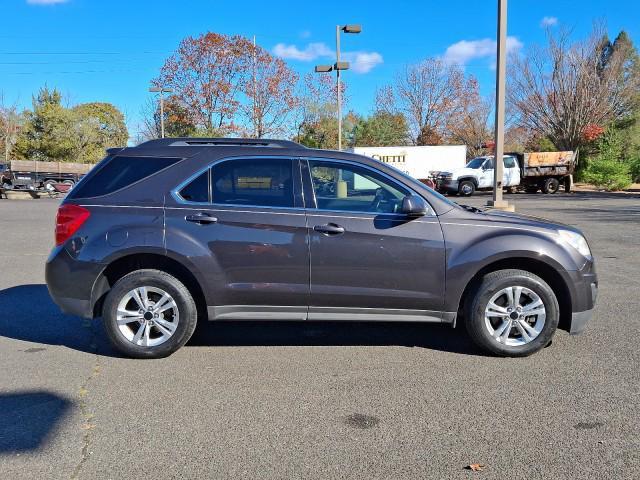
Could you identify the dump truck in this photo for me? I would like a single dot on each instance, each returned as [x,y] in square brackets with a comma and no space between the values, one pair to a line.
[546,171]
[530,172]
[36,175]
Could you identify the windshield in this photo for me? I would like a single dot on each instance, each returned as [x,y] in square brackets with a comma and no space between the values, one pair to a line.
[412,180]
[476,162]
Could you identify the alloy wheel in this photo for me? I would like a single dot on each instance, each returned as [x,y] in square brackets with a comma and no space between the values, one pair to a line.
[515,316]
[147,316]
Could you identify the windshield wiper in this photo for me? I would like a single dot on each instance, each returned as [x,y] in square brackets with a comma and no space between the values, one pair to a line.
[469,208]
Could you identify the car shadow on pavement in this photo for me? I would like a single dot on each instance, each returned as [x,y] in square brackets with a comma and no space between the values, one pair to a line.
[334,334]
[28,313]
[28,419]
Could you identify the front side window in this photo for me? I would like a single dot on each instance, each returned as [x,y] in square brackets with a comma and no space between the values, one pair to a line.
[197,190]
[345,187]
[509,162]
[260,182]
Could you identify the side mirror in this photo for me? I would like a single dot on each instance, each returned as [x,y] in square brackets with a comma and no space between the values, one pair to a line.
[413,206]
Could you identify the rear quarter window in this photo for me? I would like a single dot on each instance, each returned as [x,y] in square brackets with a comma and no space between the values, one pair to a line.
[120,172]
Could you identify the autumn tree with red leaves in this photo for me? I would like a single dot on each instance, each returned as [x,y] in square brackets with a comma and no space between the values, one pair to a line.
[271,95]
[228,86]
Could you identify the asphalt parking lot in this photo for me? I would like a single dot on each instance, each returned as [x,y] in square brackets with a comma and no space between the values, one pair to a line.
[321,400]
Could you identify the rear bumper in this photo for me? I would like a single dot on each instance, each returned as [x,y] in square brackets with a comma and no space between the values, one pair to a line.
[70,282]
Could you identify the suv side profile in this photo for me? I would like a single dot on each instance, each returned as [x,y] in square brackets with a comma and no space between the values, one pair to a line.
[174,231]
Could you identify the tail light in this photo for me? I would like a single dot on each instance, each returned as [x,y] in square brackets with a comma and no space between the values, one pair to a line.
[69,219]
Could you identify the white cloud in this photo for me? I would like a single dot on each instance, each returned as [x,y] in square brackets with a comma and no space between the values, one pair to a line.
[465,50]
[361,62]
[548,21]
[46,2]
[311,52]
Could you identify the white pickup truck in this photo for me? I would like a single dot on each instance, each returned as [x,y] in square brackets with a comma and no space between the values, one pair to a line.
[531,172]
[478,175]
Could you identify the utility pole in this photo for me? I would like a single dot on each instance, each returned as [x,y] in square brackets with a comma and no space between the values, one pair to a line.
[255,91]
[337,67]
[161,91]
[498,162]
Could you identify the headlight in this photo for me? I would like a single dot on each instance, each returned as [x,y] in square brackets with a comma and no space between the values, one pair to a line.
[576,240]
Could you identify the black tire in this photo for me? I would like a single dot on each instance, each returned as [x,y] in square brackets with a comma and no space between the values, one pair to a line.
[466,188]
[69,182]
[490,285]
[188,314]
[567,184]
[550,186]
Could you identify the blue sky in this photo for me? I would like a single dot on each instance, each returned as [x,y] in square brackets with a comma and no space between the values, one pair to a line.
[96,50]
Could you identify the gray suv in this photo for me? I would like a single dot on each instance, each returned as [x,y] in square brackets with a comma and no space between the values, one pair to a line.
[159,236]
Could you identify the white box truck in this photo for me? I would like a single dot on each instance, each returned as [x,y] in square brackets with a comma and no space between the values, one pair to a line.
[423,162]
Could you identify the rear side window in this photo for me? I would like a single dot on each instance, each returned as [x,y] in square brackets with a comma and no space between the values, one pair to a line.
[121,172]
[259,182]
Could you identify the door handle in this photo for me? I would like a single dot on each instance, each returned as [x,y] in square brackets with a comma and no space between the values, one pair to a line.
[201,219]
[329,229]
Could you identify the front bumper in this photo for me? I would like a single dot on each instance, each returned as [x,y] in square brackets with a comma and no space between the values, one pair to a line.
[585,293]
[579,321]
[446,186]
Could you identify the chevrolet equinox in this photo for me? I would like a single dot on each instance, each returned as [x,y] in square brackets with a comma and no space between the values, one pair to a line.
[172,231]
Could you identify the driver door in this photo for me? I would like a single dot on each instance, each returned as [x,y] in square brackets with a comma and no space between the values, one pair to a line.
[486,175]
[367,260]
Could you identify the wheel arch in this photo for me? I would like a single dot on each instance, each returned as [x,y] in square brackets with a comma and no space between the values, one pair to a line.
[468,177]
[138,261]
[536,266]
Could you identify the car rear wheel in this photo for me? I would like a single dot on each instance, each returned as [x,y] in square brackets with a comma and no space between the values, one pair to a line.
[466,188]
[513,313]
[149,314]
[551,185]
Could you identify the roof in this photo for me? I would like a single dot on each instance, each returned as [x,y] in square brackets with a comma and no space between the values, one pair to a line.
[217,142]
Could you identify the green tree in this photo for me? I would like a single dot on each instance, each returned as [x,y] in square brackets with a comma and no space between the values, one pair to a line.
[79,134]
[608,169]
[382,129]
[48,130]
[97,126]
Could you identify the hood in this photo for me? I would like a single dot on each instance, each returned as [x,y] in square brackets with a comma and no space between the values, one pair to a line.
[511,218]
[459,172]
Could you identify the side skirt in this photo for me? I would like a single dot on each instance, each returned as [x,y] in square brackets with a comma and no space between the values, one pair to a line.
[288,313]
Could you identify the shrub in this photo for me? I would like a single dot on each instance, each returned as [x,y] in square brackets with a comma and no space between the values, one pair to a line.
[607,173]
[634,166]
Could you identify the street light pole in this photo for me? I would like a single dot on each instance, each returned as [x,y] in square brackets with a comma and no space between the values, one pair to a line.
[501,57]
[161,91]
[337,67]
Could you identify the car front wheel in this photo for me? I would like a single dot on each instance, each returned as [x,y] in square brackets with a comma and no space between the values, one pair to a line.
[149,314]
[466,188]
[513,313]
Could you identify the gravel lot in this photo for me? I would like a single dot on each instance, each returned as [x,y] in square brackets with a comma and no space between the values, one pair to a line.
[314,400]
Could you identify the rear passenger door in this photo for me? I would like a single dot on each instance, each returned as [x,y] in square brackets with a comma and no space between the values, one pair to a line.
[242,224]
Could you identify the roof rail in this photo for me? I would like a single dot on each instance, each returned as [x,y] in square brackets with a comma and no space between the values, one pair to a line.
[216,142]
